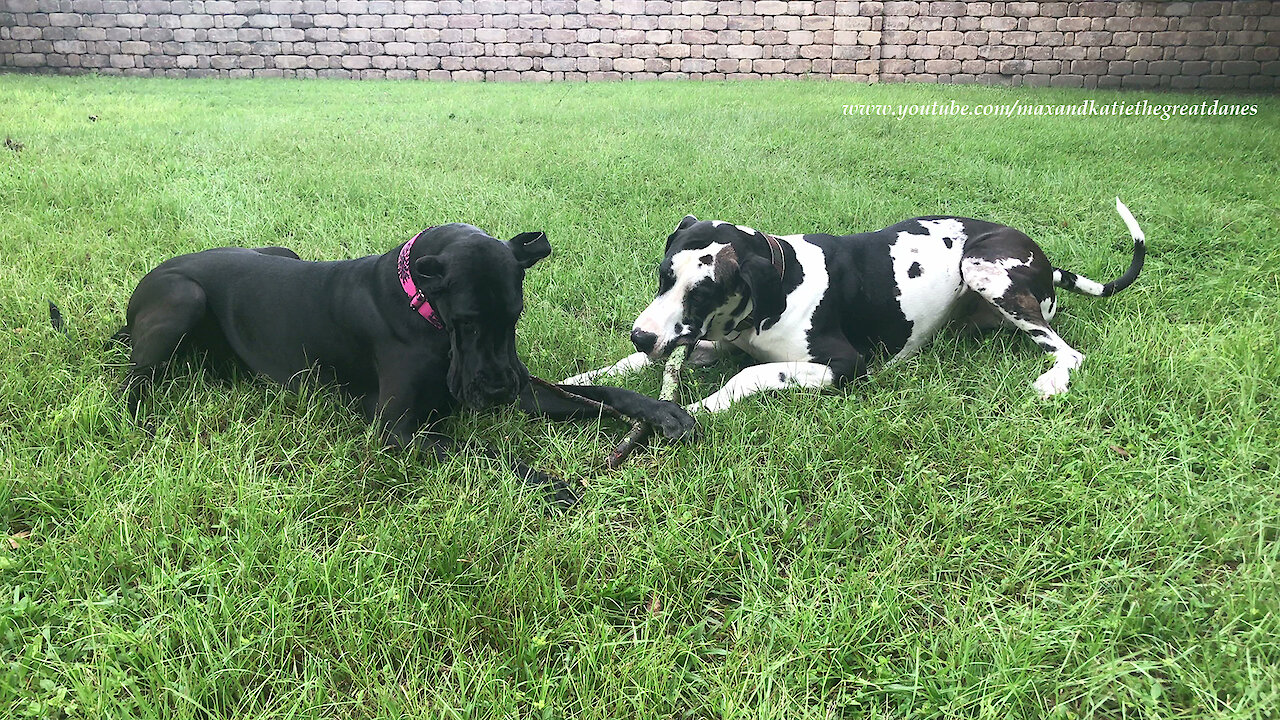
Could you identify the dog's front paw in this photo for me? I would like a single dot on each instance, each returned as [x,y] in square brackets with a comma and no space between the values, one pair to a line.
[674,421]
[712,404]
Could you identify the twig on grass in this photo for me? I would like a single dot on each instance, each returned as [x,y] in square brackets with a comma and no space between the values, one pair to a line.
[640,430]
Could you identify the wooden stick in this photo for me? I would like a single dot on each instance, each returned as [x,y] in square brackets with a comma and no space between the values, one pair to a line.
[640,430]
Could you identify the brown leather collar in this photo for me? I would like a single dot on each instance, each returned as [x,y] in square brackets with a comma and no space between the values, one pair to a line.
[776,255]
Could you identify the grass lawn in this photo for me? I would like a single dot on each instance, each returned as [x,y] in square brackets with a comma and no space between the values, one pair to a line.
[934,542]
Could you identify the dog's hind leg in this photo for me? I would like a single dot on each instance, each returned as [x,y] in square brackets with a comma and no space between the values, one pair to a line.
[1021,292]
[161,313]
[120,336]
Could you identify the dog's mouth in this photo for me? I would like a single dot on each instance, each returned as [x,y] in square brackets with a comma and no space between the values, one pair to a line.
[482,377]
[483,397]
[491,388]
[664,351]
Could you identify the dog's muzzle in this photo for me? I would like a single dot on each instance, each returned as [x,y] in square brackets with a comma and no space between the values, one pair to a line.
[484,375]
[494,389]
[647,343]
[644,341]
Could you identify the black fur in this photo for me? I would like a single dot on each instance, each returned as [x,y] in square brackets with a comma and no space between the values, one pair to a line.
[348,324]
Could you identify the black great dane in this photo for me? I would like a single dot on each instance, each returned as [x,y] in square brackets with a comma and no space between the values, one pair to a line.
[410,335]
[814,308]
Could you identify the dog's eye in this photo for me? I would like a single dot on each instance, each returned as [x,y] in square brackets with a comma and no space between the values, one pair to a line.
[666,279]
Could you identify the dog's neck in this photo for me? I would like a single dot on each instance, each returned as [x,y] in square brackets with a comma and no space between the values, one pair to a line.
[417,300]
[776,256]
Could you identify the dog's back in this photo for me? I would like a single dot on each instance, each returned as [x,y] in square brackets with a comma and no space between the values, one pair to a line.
[272,311]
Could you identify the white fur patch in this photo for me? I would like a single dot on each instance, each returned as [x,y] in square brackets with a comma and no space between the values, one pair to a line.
[1048,308]
[1134,231]
[927,299]
[769,376]
[788,339]
[1085,285]
[990,277]
[1054,381]
[634,361]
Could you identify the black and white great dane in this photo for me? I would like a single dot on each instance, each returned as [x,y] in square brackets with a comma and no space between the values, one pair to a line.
[409,335]
[814,308]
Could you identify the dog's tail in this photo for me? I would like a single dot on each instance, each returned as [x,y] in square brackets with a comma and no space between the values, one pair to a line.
[1078,283]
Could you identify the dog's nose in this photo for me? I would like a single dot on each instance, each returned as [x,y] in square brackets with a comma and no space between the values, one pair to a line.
[643,341]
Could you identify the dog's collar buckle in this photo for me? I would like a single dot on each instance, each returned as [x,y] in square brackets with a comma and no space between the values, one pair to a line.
[417,300]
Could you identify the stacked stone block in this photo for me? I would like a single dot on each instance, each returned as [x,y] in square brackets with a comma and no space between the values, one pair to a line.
[1172,45]
[1082,44]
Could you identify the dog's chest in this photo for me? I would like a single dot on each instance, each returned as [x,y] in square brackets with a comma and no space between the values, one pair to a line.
[926,277]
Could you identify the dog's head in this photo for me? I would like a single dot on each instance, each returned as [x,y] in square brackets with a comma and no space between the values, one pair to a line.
[715,280]
[476,284]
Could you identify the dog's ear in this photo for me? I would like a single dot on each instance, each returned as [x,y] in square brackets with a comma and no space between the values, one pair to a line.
[430,270]
[685,224]
[530,247]
[765,286]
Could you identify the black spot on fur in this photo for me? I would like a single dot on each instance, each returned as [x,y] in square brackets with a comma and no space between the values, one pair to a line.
[915,270]
[948,241]
[705,259]
[782,377]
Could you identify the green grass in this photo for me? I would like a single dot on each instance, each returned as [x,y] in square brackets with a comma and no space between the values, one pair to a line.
[934,542]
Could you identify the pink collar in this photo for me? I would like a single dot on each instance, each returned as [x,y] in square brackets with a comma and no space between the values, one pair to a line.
[417,300]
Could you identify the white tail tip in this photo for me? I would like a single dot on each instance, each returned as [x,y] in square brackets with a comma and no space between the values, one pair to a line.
[1129,222]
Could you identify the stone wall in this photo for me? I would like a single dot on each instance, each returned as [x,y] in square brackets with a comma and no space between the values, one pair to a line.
[1179,45]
